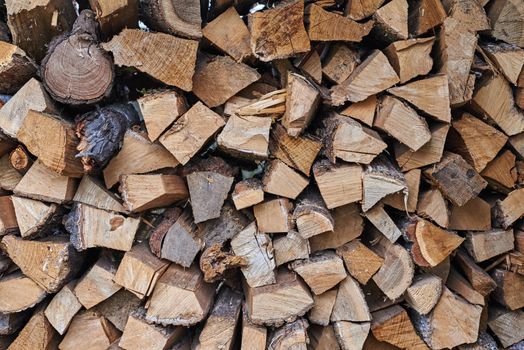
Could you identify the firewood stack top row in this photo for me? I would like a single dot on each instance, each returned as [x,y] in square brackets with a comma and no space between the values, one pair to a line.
[307,175]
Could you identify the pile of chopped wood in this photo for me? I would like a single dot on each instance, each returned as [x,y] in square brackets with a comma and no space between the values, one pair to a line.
[296,174]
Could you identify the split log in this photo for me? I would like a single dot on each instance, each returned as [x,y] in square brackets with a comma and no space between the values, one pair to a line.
[433,206]
[363,111]
[340,63]
[50,263]
[430,95]
[321,271]
[506,325]
[278,303]
[268,33]
[358,10]
[360,261]
[462,287]
[247,193]
[426,15]
[256,248]
[19,293]
[456,179]
[508,58]
[220,78]
[338,184]
[435,244]
[411,58]
[402,122]
[469,13]
[33,25]
[90,331]
[290,336]
[311,66]
[229,33]
[253,336]
[208,191]
[115,17]
[101,133]
[350,304]
[501,173]
[379,179]
[164,57]
[181,297]
[219,230]
[297,152]
[279,179]
[178,18]
[245,137]
[31,96]
[383,222]
[329,26]
[372,76]
[138,155]
[17,68]
[506,21]
[488,244]
[118,307]
[350,141]
[220,327]
[507,211]
[160,109]
[322,338]
[393,326]
[217,263]
[351,335]
[93,193]
[274,216]
[62,308]
[475,215]
[302,100]
[424,293]
[8,220]
[392,21]
[32,216]
[289,247]
[38,333]
[399,201]
[271,104]
[322,308]
[311,215]
[478,278]
[76,70]
[92,227]
[509,288]
[97,284]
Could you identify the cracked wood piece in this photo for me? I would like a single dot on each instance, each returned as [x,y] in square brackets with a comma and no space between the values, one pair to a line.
[19,293]
[275,304]
[89,331]
[256,247]
[220,327]
[181,243]
[290,247]
[180,18]
[399,201]
[402,122]
[181,297]
[501,173]
[164,57]
[297,152]
[392,21]
[115,16]
[477,142]
[459,285]
[279,179]
[246,137]
[350,141]
[17,68]
[302,100]
[217,263]
[340,62]
[329,26]
[485,245]
[159,109]
[479,279]
[290,336]
[383,222]
[470,13]
[92,192]
[509,288]
[97,284]
[247,193]
[279,32]
[411,58]
[392,325]
[372,76]
[424,293]
[360,261]
[220,78]
[230,34]
[321,272]
[139,270]
[507,325]
[506,212]
[506,21]
[311,215]
[253,336]
[432,205]
[143,192]
[91,227]
[380,178]
[475,215]
[456,179]
[320,313]
[338,184]
[456,46]
[351,335]
[322,338]
[435,244]
[430,95]
[350,304]
[274,216]
[37,334]
[208,191]
[8,220]
[50,262]
[138,155]
[31,96]
[191,132]
[508,58]
[363,111]
[426,15]
[62,308]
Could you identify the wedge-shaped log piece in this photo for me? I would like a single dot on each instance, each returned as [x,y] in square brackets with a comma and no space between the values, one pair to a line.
[143,192]
[488,244]
[118,307]
[137,156]
[329,26]
[381,178]
[321,272]
[424,293]
[399,201]
[279,179]
[340,62]
[115,17]
[92,192]
[350,304]
[383,222]
[507,211]
[38,333]
[351,335]
[320,313]
[472,216]
[62,308]
[508,58]
[478,278]
[19,293]
[50,262]
[456,179]
[459,285]
[208,191]
[290,247]
[90,331]
[9,176]
[91,227]
[507,325]
[278,303]
[338,184]
[97,284]
[363,111]
[411,58]
[181,297]
[402,122]
[426,15]
[247,193]
[372,76]
[164,57]
[469,12]
[311,215]
[435,244]
[506,21]
[253,336]
[256,248]
[392,21]
[360,261]
[501,173]
[268,32]
[302,99]
[246,137]
[274,216]
[433,206]
[230,223]
[17,68]
[509,288]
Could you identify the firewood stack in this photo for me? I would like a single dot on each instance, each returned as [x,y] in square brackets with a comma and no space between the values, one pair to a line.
[318,174]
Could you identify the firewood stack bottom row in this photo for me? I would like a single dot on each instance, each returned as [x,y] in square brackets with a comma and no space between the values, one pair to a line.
[316,175]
